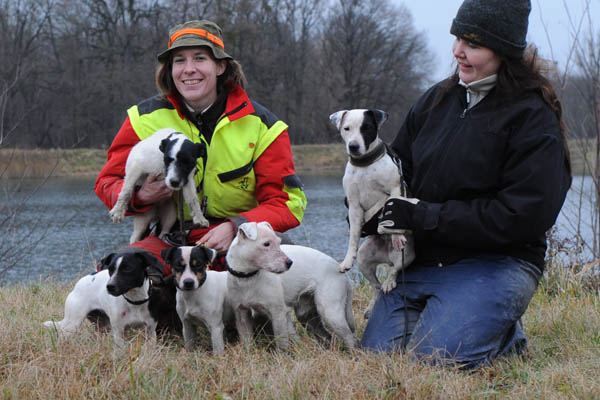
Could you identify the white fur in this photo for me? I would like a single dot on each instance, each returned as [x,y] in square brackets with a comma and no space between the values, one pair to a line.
[146,159]
[367,188]
[207,303]
[274,288]
[90,294]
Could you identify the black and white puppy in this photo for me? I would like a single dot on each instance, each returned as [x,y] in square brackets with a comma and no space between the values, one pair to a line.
[120,291]
[370,178]
[201,296]
[166,153]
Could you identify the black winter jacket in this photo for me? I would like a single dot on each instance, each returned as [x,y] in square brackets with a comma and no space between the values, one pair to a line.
[491,180]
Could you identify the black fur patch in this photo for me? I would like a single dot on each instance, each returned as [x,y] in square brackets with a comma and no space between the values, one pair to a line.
[369,128]
[130,273]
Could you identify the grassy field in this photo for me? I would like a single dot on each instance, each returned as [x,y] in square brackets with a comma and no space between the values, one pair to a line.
[16,163]
[562,361]
[562,323]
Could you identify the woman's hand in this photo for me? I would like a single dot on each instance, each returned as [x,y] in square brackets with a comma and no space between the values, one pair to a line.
[396,215]
[152,191]
[220,237]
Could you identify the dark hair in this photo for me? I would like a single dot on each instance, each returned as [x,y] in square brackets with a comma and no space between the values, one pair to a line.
[233,75]
[516,75]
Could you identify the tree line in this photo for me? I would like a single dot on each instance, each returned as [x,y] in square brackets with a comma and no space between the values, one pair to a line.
[71,68]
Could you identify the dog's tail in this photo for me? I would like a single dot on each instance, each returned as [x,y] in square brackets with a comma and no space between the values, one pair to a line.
[349,312]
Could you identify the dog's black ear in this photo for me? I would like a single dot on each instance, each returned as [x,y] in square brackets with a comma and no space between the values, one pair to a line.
[199,150]
[379,116]
[204,252]
[105,262]
[154,268]
[167,254]
[163,144]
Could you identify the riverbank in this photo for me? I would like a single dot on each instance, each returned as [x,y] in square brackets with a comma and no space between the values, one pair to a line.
[561,362]
[38,163]
[308,159]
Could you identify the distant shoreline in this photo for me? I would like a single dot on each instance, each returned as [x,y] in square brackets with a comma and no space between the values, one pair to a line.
[308,159]
[40,163]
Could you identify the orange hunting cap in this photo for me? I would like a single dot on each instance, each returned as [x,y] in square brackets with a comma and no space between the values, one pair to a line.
[196,33]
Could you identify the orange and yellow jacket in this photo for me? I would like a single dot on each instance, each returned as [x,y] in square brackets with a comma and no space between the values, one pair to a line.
[248,174]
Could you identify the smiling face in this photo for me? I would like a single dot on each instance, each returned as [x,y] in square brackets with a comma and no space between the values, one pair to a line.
[474,62]
[195,73]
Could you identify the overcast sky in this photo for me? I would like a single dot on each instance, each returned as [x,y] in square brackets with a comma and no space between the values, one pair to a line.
[434,17]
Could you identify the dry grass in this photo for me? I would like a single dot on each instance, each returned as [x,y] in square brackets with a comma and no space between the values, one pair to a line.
[562,361]
[308,158]
[37,163]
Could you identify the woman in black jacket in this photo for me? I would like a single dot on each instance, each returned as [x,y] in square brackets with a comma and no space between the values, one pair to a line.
[485,156]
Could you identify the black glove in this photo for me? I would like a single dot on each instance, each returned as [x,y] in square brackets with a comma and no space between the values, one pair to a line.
[369,227]
[396,216]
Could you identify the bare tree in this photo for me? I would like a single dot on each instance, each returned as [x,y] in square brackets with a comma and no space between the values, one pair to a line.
[375,56]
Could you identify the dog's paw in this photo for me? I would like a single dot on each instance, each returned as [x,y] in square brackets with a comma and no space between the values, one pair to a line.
[398,241]
[116,214]
[344,268]
[388,285]
[201,222]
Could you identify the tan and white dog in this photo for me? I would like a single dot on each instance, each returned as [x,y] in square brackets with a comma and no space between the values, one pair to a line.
[268,279]
[201,295]
[370,178]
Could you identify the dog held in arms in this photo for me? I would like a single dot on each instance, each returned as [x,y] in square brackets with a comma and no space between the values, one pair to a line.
[166,153]
[261,281]
[121,292]
[201,295]
[370,178]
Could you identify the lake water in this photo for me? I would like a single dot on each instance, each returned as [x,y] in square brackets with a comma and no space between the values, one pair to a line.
[71,229]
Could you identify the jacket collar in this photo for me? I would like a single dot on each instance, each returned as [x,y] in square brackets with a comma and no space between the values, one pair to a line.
[477,90]
[238,104]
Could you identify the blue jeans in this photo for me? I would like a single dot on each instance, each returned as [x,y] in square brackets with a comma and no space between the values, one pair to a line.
[465,313]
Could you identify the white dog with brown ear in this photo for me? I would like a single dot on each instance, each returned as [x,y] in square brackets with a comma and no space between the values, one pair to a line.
[370,178]
[267,278]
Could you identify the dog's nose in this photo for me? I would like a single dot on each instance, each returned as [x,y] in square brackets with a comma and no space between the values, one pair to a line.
[188,284]
[353,147]
[111,288]
[288,263]
[174,183]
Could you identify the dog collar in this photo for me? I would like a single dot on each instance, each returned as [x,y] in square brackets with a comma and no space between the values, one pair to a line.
[239,274]
[368,158]
[139,302]
[136,302]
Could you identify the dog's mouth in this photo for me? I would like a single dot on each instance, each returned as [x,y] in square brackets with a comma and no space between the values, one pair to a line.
[115,291]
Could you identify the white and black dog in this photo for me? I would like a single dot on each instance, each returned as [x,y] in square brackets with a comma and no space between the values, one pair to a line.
[370,178]
[166,153]
[201,295]
[261,281]
[120,292]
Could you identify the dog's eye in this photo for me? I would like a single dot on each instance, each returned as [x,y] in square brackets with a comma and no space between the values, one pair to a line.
[347,128]
[267,244]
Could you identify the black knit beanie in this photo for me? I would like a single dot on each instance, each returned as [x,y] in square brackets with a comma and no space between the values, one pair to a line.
[500,25]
